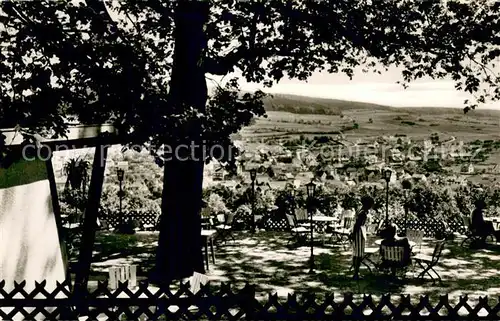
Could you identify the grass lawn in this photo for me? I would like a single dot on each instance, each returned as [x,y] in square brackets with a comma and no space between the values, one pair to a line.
[264,260]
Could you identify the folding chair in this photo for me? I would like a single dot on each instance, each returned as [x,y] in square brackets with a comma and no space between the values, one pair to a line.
[393,258]
[372,229]
[430,261]
[196,281]
[367,258]
[225,229]
[206,213]
[301,217]
[343,233]
[416,236]
[340,222]
[298,232]
[122,273]
[370,251]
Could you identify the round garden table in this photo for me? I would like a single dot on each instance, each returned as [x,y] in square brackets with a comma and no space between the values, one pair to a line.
[323,220]
[379,242]
[495,220]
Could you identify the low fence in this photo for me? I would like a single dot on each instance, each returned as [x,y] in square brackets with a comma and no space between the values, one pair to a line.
[148,221]
[148,303]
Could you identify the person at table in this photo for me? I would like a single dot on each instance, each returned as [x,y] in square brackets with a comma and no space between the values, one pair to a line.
[390,239]
[479,226]
[358,235]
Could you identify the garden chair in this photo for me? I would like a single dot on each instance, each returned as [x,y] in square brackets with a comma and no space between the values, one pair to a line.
[196,281]
[206,213]
[301,217]
[380,226]
[429,262]
[117,274]
[343,232]
[470,234]
[225,229]
[393,258]
[368,258]
[122,273]
[372,229]
[416,236]
[370,252]
[341,218]
[299,233]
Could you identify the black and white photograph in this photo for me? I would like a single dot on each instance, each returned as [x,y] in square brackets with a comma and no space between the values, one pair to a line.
[249,160]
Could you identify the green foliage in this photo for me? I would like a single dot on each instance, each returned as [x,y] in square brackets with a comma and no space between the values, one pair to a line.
[226,193]
[285,201]
[357,162]
[77,61]
[350,201]
[423,202]
[142,184]
[323,139]
[326,201]
[432,166]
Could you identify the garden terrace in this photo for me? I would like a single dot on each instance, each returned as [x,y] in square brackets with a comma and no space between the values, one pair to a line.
[265,261]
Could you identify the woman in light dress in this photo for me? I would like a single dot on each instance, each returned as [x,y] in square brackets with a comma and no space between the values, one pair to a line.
[359,234]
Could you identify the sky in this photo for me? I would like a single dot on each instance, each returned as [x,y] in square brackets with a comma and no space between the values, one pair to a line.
[374,88]
[368,87]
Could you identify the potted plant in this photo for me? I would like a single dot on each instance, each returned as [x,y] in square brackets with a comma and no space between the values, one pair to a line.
[77,171]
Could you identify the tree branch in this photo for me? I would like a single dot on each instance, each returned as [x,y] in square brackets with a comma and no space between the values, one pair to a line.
[99,7]
[223,65]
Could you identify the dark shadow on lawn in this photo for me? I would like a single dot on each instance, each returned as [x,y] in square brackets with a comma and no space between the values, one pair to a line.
[265,260]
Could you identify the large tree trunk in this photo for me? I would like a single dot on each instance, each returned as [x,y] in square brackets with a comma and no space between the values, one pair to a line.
[179,251]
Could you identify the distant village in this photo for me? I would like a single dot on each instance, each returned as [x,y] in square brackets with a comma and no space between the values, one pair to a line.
[325,159]
[329,159]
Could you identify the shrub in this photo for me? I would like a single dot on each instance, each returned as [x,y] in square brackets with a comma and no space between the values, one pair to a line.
[349,201]
[326,201]
[216,204]
[285,202]
[225,192]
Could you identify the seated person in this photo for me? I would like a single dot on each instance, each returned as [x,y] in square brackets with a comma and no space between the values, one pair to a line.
[390,239]
[479,226]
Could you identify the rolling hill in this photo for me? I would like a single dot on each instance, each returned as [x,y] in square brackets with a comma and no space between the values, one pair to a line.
[310,105]
[292,116]
[322,106]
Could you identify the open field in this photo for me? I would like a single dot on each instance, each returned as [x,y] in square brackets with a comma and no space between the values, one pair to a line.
[289,117]
[295,115]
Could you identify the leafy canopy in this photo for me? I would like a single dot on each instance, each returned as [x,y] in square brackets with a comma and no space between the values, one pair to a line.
[101,62]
